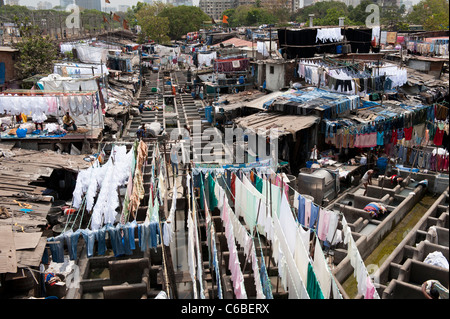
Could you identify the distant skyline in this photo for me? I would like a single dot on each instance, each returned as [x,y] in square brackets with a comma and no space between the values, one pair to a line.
[114,3]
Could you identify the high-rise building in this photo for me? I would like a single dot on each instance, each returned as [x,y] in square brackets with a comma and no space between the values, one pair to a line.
[353,3]
[181,2]
[215,8]
[65,3]
[12,2]
[44,5]
[122,8]
[89,4]
[291,5]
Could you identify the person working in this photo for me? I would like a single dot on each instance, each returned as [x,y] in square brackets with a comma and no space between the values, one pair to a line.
[367,178]
[38,124]
[141,132]
[395,179]
[68,122]
[375,209]
[174,158]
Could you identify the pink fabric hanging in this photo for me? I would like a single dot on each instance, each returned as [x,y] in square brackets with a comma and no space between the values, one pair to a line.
[370,291]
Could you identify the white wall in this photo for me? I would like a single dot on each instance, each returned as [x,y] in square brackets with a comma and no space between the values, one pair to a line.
[275,81]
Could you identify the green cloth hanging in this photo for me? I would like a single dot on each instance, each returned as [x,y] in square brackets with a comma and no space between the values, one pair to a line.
[258,183]
[212,196]
[312,286]
[202,189]
[276,199]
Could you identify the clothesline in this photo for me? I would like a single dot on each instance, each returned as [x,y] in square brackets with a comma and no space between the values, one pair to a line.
[47,93]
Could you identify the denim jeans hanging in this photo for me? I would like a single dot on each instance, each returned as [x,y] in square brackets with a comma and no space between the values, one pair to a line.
[71,239]
[154,235]
[144,236]
[100,236]
[74,243]
[131,227]
[89,238]
[57,248]
[125,230]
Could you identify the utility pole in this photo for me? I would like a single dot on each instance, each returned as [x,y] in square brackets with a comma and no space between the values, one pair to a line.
[270,42]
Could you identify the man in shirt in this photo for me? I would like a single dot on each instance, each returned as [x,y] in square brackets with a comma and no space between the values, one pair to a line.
[174,158]
[367,178]
[141,132]
[68,122]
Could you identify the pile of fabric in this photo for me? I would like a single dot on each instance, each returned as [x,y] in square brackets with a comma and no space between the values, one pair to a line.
[375,209]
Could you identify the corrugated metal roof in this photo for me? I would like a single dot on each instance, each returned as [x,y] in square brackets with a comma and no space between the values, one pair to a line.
[238,43]
[286,124]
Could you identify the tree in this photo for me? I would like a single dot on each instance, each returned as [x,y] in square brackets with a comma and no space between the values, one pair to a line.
[183,19]
[230,13]
[393,17]
[319,9]
[153,26]
[36,53]
[131,13]
[358,14]
[332,18]
[432,14]
[247,15]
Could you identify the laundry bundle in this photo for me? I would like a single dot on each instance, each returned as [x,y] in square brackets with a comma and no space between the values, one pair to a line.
[375,209]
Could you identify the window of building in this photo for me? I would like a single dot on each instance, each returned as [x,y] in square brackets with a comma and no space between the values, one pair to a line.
[272,69]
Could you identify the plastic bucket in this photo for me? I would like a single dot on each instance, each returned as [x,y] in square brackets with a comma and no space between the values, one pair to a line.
[309,164]
[21,133]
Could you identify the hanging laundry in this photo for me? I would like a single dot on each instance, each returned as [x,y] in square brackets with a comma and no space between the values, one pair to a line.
[329,35]
[313,286]
[323,275]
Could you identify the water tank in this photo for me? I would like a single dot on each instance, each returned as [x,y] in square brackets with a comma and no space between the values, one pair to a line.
[322,173]
[321,184]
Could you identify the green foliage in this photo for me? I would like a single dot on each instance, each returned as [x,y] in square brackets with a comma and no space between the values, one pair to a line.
[432,14]
[12,11]
[36,53]
[358,14]
[331,18]
[153,26]
[131,13]
[248,15]
[183,19]
[393,18]
[320,11]
[231,14]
